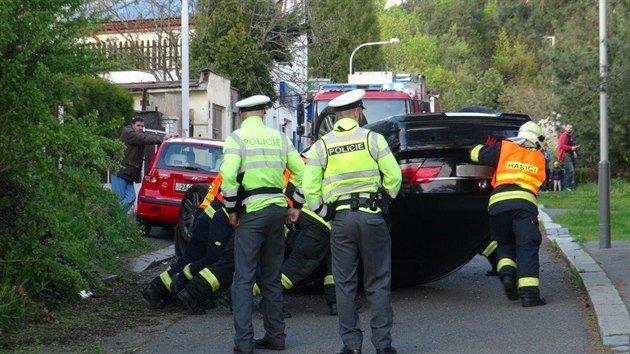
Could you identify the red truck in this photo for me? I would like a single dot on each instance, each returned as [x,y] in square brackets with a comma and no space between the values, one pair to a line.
[387,94]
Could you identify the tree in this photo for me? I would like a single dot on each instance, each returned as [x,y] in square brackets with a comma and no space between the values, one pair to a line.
[242,40]
[336,29]
[576,76]
[59,228]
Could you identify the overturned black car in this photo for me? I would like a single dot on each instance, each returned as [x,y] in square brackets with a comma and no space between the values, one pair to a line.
[439,221]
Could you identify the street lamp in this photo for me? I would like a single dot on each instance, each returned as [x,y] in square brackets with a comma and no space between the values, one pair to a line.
[392,40]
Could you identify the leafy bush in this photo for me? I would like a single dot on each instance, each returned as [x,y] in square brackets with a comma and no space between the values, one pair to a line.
[59,228]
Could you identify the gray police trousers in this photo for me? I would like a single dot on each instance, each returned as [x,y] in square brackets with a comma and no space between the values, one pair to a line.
[360,236]
[258,254]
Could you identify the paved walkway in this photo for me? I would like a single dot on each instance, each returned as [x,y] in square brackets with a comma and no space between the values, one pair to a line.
[605,274]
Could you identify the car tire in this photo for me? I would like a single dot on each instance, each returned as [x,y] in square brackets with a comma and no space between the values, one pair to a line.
[187,213]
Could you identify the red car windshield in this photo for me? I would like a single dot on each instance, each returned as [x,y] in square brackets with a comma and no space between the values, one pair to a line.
[190,157]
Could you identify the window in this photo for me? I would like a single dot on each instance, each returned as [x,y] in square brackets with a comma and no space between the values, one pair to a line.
[192,157]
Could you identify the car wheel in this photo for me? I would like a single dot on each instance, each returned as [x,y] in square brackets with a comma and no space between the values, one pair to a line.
[187,213]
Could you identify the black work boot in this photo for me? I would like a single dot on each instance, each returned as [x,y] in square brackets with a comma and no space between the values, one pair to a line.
[510,286]
[530,297]
[345,350]
[152,299]
[388,350]
[533,301]
[190,303]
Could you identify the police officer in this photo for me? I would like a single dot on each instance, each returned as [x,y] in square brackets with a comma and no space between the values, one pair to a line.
[344,173]
[255,158]
[513,208]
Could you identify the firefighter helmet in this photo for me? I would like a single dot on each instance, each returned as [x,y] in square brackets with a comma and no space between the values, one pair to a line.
[533,133]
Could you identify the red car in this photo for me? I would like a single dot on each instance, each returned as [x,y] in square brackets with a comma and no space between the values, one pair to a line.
[178,164]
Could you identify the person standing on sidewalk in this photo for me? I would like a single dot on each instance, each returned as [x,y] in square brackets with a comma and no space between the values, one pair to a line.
[135,139]
[352,174]
[255,158]
[513,208]
[567,154]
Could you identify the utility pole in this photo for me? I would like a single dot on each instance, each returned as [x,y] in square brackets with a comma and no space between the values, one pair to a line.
[604,165]
[185,72]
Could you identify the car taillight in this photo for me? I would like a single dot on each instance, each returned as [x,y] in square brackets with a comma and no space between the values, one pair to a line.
[150,179]
[419,175]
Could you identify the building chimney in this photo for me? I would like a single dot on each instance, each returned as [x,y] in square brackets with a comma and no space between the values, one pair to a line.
[205,75]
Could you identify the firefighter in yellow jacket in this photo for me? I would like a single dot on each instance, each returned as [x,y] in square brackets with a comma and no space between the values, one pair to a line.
[350,177]
[513,209]
[254,160]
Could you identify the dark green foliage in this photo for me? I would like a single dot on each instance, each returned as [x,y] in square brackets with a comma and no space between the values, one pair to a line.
[241,40]
[575,66]
[59,228]
[501,54]
[337,28]
[112,104]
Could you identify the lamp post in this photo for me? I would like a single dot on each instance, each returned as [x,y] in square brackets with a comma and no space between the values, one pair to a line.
[392,40]
[185,73]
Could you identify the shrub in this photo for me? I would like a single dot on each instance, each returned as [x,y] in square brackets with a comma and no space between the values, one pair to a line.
[59,228]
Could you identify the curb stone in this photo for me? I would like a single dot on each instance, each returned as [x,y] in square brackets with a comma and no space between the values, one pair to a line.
[149,260]
[612,315]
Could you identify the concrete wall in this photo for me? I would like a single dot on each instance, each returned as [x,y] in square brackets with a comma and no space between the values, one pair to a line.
[211,91]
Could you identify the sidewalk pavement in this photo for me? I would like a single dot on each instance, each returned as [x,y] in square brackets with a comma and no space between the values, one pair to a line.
[605,274]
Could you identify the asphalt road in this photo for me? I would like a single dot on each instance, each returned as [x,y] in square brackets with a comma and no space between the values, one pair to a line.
[161,236]
[463,313]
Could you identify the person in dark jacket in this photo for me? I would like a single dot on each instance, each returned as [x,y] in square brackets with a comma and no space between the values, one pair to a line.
[135,139]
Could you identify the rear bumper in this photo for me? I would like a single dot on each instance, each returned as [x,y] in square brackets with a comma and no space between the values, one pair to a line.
[158,210]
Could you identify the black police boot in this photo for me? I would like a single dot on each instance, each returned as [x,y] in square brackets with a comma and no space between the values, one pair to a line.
[152,298]
[388,350]
[266,343]
[510,286]
[332,307]
[345,350]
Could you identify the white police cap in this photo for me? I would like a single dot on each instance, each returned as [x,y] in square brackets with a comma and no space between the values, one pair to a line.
[253,103]
[348,100]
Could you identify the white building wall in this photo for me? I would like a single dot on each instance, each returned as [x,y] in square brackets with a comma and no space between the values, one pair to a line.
[219,93]
[216,90]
